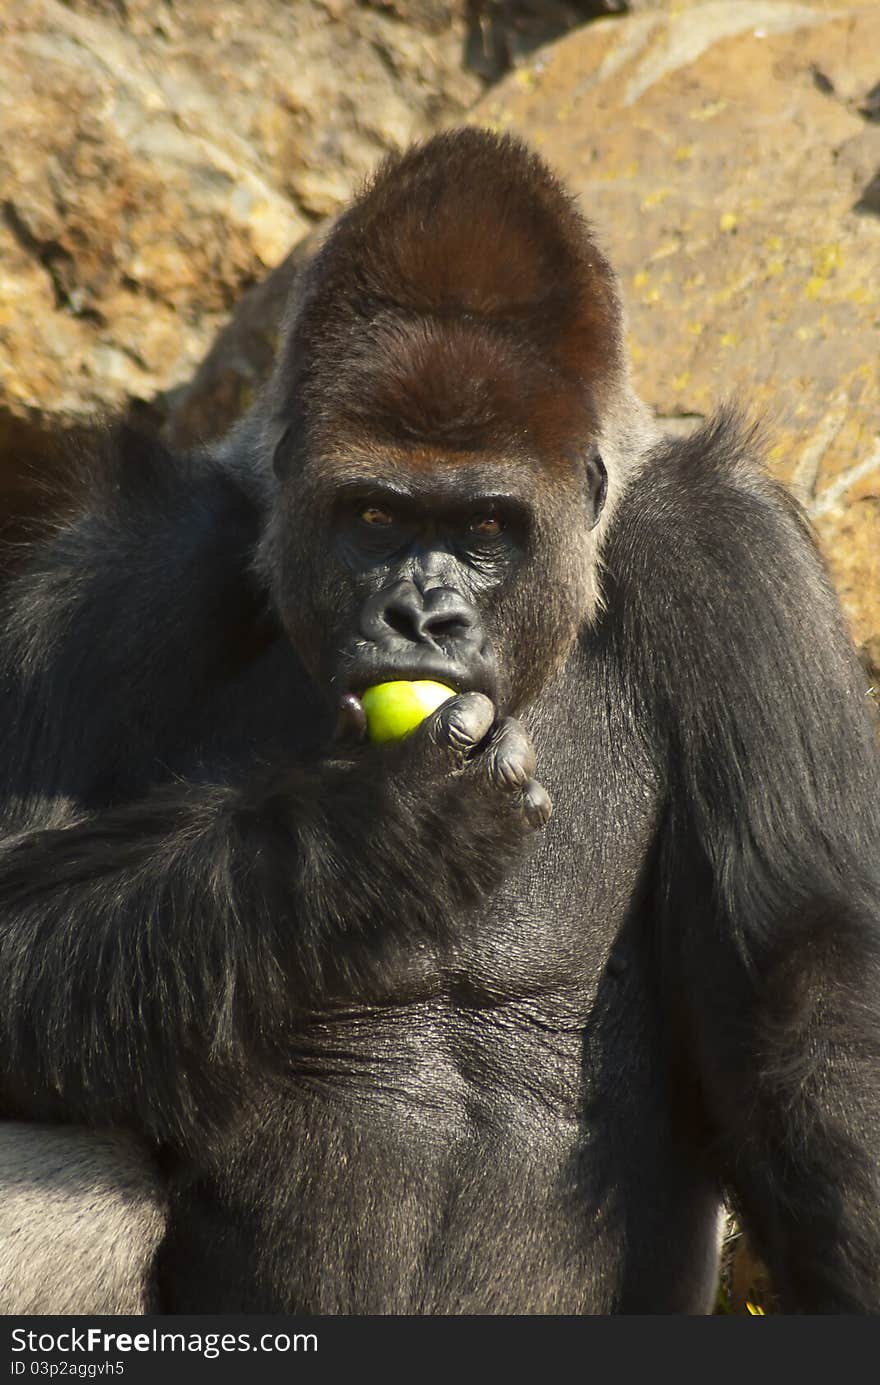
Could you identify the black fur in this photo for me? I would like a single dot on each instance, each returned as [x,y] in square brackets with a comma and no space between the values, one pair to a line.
[395,1050]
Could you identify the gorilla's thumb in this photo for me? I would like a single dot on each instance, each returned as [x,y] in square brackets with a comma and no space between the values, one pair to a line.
[456,729]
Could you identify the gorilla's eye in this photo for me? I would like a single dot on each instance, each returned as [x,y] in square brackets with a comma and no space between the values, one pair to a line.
[486,526]
[374,514]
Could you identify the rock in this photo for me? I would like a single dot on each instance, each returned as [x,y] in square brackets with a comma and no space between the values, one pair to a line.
[726,153]
[156,160]
[240,358]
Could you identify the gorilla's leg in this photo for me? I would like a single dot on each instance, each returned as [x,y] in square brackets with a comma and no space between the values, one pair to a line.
[81,1216]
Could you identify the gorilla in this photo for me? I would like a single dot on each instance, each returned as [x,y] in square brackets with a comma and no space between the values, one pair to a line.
[337,1027]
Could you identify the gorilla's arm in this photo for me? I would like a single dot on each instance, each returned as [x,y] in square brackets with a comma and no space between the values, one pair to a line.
[151,953]
[770,867]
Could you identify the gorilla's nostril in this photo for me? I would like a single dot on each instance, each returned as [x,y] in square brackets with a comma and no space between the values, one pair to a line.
[402,621]
[439,614]
[447,616]
[447,627]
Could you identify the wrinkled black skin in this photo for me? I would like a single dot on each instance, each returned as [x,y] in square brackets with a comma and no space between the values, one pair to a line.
[399,1051]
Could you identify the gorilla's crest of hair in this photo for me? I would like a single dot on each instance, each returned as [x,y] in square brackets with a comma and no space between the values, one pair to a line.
[460,303]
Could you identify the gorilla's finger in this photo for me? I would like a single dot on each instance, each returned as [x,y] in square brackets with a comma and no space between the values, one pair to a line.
[351,720]
[458,727]
[536,804]
[510,756]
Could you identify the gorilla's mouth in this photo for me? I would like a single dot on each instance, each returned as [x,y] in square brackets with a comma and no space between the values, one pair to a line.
[371,665]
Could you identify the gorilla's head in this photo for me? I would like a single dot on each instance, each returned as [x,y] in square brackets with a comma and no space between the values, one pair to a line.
[439,405]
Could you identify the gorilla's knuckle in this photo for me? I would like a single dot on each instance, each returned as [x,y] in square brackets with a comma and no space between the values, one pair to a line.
[537,804]
[511,756]
[508,768]
[466,721]
[458,736]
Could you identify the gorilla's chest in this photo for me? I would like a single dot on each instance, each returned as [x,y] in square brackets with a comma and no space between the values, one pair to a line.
[467,1145]
[449,1156]
[584,888]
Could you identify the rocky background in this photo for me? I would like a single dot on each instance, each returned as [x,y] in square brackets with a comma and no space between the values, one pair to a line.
[166,167]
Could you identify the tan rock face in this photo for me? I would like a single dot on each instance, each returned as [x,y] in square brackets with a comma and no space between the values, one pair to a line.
[240,358]
[726,153]
[155,159]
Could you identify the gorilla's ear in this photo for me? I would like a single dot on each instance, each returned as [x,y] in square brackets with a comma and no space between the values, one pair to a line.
[284,436]
[596,479]
[281,445]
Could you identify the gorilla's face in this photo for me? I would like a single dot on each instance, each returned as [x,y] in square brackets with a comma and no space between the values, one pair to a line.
[475,572]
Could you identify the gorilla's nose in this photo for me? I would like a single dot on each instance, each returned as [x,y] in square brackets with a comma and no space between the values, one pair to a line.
[439,616]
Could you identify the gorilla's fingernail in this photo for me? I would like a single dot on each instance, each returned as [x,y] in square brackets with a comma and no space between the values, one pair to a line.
[351,719]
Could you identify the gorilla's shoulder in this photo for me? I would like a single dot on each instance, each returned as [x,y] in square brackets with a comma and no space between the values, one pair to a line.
[717,599]
[703,506]
[123,472]
[127,598]
[112,498]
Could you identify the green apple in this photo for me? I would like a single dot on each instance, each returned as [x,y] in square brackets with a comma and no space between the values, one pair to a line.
[395,709]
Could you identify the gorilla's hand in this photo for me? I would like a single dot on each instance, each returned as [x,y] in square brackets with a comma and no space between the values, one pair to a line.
[443,814]
[462,741]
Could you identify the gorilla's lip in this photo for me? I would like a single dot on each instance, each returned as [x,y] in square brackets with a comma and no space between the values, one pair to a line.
[413,674]
[465,668]
[452,675]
